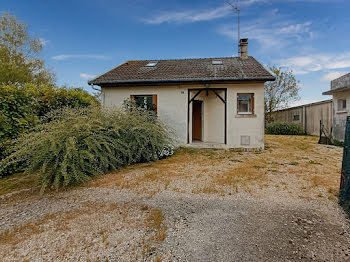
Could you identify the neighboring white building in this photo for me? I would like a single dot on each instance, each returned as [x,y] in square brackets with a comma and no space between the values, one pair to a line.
[209,102]
[340,90]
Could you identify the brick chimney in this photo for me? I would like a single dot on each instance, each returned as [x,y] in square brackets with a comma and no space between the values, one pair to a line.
[243,46]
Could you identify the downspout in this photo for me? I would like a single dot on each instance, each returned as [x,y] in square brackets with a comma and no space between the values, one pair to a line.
[304,119]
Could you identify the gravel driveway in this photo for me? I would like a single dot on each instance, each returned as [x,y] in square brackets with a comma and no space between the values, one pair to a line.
[199,228]
[245,229]
[279,205]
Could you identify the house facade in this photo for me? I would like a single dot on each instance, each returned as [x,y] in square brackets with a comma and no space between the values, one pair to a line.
[308,116]
[340,90]
[208,102]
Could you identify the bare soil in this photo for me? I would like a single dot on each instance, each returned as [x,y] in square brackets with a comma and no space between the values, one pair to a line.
[198,205]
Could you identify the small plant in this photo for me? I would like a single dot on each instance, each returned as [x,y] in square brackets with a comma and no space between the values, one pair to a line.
[284,128]
[338,143]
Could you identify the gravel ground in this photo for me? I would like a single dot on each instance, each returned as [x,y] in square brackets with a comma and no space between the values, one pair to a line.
[247,229]
[106,224]
[196,206]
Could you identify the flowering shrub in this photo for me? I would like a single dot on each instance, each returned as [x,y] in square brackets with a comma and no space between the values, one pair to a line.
[79,143]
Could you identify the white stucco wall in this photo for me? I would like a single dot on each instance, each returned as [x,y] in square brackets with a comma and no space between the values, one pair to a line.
[246,125]
[339,117]
[172,109]
[171,104]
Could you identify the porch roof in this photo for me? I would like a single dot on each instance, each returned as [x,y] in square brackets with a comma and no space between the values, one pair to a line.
[185,70]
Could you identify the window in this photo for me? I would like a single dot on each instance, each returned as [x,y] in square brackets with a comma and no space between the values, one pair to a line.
[341,104]
[152,63]
[148,102]
[296,118]
[245,103]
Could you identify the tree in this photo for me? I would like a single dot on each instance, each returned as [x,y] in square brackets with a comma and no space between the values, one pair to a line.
[19,61]
[282,91]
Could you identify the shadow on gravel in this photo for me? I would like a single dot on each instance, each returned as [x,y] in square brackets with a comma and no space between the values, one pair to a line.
[346,207]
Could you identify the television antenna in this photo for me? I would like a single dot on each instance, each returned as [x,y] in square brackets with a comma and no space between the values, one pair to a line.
[237,11]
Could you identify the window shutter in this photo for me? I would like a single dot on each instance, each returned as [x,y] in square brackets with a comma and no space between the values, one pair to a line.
[253,104]
[154,101]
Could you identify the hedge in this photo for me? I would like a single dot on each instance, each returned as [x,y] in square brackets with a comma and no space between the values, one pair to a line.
[284,128]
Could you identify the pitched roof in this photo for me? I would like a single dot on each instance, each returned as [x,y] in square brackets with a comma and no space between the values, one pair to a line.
[185,70]
[306,105]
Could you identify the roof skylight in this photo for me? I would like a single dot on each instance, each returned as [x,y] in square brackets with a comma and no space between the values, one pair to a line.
[152,63]
[216,62]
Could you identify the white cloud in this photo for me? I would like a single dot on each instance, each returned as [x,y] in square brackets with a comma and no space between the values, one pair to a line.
[317,62]
[87,56]
[271,30]
[44,41]
[332,75]
[87,76]
[195,15]
[189,16]
[296,28]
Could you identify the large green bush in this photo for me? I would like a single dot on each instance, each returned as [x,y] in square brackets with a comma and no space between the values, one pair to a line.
[79,143]
[284,128]
[49,97]
[17,114]
[21,107]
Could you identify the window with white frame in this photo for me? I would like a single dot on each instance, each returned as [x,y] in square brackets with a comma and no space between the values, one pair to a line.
[245,103]
[341,104]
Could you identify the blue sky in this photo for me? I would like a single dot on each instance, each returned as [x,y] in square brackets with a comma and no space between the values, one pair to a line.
[84,38]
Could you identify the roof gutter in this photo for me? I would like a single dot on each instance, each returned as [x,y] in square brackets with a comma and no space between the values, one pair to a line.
[332,91]
[180,80]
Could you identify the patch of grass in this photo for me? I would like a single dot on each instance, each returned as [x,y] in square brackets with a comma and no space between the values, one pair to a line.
[155,219]
[235,160]
[320,181]
[187,150]
[154,223]
[22,232]
[16,182]
[211,171]
[313,162]
[158,259]
[243,174]
[61,219]
[208,189]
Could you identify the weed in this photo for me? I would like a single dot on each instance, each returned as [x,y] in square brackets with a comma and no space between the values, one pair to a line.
[314,162]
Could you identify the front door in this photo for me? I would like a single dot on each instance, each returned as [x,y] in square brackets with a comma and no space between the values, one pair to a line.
[197,120]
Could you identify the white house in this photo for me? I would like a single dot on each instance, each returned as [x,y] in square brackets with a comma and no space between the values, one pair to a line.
[340,90]
[209,102]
